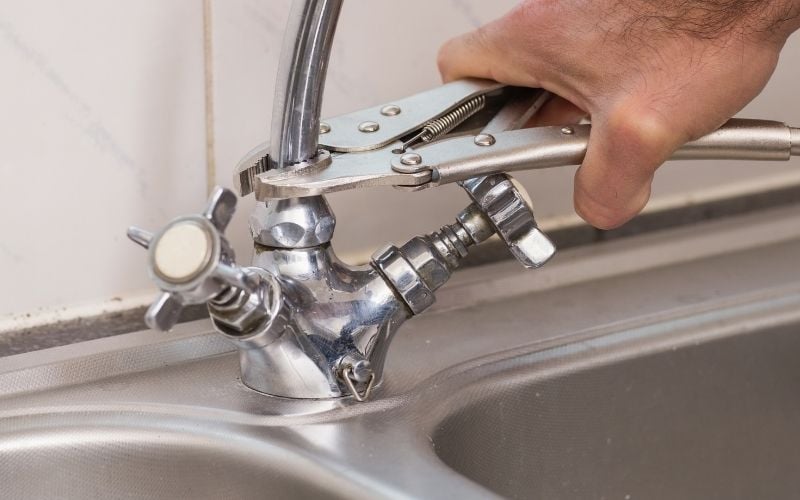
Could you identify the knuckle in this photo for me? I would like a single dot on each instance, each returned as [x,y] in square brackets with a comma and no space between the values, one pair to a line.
[641,128]
[643,137]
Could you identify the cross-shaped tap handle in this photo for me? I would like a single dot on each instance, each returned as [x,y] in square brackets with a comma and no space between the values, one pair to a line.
[191,261]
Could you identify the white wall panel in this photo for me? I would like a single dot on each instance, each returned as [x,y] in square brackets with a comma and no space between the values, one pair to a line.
[101,126]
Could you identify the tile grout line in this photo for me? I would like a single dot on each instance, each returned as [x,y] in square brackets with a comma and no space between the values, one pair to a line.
[208,76]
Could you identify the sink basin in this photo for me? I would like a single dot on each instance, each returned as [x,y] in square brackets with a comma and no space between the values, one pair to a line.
[663,366]
[113,454]
[714,420]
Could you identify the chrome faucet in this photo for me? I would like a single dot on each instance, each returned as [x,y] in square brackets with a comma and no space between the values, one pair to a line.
[306,324]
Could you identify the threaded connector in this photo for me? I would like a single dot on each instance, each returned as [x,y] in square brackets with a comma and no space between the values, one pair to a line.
[425,263]
[453,241]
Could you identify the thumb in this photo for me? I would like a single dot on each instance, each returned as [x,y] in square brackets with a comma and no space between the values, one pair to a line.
[625,149]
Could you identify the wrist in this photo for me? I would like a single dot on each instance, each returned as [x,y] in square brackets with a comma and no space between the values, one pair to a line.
[781,18]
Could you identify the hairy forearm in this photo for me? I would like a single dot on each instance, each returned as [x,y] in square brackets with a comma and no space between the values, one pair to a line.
[711,19]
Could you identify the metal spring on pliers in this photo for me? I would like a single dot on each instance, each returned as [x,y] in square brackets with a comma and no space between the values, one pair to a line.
[440,126]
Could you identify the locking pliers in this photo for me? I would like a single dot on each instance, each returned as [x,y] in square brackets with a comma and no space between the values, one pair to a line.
[466,129]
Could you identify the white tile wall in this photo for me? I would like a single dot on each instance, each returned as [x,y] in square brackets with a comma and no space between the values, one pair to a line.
[102,125]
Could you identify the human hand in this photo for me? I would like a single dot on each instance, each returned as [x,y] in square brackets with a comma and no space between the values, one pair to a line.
[652,75]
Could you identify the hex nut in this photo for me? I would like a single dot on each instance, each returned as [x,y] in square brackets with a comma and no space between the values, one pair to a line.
[431,267]
[404,278]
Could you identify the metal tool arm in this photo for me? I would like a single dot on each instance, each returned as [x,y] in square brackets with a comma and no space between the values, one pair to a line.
[460,158]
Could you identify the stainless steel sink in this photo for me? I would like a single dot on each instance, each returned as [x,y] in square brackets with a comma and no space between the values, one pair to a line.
[663,366]
[712,420]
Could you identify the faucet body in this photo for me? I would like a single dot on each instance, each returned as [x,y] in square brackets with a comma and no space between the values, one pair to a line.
[339,314]
[341,318]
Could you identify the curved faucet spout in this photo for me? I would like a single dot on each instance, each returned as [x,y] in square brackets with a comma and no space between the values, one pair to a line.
[301,81]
